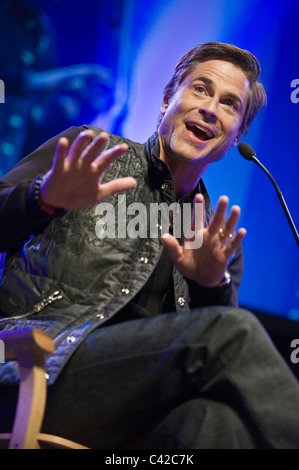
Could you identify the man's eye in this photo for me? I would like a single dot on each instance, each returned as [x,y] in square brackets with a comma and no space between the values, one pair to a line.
[231,104]
[200,89]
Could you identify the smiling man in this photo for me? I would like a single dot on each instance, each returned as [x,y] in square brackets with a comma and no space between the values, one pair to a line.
[152,350]
[203,118]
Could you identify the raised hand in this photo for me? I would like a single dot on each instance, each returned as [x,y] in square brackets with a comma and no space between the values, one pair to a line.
[207,264]
[74,180]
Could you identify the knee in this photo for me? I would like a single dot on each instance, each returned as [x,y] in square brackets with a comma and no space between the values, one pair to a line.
[232,325]
[240,317]
[243,335]
[243,318]
[242,321]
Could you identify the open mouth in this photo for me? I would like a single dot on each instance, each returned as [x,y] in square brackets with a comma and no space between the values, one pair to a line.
[199,132]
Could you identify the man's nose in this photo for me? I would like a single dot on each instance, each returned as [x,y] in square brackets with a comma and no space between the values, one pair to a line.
[209,108]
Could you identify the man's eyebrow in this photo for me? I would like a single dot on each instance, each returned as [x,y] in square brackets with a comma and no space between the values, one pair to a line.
[204,79]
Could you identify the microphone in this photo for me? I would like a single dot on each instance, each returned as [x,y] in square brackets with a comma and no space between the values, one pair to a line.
[248,153]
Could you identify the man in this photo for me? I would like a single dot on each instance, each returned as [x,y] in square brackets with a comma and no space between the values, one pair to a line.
[151,349]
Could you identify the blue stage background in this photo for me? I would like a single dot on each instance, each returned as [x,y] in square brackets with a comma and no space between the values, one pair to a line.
[106,63]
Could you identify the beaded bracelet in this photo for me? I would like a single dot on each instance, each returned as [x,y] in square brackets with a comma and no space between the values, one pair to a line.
[51,211]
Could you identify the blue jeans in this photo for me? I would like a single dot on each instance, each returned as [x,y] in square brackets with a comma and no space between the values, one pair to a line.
[205,379]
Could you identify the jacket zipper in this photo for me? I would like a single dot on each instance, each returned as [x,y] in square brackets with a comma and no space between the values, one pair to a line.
[37,307]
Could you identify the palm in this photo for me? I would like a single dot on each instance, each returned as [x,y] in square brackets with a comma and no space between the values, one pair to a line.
[207,263]
[74,181]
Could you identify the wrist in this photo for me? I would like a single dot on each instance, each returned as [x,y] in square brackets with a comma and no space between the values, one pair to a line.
[226,280]
[45,208]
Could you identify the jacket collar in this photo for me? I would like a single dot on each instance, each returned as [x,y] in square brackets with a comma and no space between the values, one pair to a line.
[153,153]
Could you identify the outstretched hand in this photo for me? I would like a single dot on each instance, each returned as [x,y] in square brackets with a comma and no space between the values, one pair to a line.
[207,264]
[74,180]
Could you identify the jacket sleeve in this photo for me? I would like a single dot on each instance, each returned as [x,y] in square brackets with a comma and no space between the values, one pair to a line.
[226,294]
[19,218]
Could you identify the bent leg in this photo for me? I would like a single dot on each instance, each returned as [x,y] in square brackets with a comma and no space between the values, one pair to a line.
[130,378]
[125,378]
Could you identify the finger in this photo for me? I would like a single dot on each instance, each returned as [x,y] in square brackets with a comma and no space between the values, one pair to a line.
[219,215]
[79,145]
[227,230]
[60,154]
[199,212]
[106,158]
[194,232]
[116,186]
[95,148]
[172,245]
[234,244]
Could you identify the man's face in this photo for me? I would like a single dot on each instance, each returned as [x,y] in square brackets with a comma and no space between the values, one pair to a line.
[202,120]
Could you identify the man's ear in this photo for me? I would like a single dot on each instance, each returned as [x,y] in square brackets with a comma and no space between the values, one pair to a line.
[164,104]
[236,139]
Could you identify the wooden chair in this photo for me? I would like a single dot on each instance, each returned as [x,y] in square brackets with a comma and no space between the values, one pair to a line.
[29,347]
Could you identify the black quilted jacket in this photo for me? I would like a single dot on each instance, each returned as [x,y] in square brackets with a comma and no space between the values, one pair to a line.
[59,275]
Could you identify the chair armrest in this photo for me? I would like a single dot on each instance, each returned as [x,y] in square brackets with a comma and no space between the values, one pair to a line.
[32,339]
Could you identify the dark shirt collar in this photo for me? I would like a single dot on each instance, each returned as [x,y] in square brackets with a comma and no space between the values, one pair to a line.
[153,153]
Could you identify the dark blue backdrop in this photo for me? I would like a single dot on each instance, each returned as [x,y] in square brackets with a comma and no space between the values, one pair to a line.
[124,52]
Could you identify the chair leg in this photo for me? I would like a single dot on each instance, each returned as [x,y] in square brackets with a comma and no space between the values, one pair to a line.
[31,402]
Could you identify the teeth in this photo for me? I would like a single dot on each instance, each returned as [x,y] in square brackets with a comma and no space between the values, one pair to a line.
[208,133]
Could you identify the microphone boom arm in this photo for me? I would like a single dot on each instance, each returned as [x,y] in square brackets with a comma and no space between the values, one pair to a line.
[280,196]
